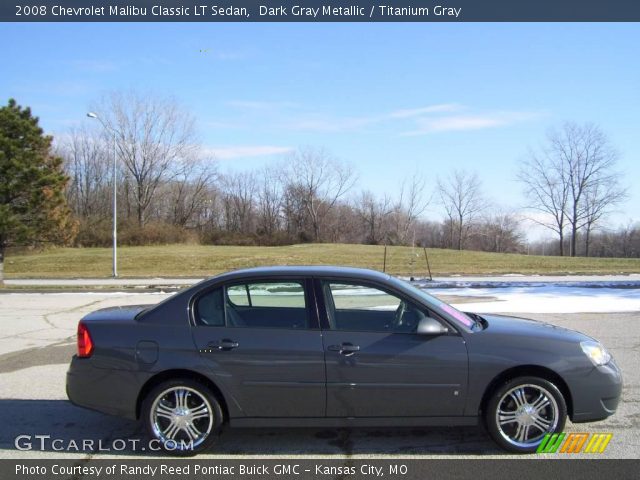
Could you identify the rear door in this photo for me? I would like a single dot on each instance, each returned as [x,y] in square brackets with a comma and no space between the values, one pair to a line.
[377,366]
[261,339]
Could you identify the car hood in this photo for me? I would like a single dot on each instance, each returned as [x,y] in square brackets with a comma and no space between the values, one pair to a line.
[525,327]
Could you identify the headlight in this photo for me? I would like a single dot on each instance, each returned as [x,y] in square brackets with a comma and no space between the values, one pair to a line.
[596,353]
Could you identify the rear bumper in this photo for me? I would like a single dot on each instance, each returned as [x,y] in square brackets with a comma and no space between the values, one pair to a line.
[597,395]
[114,392]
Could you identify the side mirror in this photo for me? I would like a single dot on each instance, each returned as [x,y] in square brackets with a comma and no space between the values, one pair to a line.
[431,326]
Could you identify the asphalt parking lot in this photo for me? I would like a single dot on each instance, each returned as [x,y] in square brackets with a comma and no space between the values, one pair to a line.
[37,340]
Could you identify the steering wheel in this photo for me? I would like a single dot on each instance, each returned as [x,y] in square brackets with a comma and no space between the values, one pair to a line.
[397,321]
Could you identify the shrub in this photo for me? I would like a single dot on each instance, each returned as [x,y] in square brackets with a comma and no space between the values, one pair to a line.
[98,233]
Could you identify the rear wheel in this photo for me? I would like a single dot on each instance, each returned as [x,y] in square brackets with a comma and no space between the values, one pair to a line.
[183,415]
[522,411]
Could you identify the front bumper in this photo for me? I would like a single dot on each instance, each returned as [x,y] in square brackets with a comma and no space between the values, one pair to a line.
[108,391]
[597,394]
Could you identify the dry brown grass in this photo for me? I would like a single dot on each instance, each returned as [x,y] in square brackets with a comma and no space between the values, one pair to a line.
[201,261]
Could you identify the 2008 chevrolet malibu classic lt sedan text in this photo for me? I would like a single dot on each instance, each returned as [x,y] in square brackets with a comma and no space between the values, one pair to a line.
[333,347]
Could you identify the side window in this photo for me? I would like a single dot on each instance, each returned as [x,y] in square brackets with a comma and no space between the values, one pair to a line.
[355,307]
[209,308]
[267,305]
[284,295]
[238,295]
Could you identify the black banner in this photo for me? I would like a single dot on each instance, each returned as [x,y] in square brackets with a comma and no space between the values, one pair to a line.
[305,469]
[320,11]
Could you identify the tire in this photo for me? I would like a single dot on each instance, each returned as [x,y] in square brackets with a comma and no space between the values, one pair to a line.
[531,407]
[183,416]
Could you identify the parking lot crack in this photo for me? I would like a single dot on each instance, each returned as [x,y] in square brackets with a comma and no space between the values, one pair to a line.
[47,319]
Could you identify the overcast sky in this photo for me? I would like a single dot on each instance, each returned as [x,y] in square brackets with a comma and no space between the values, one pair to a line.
[389,98]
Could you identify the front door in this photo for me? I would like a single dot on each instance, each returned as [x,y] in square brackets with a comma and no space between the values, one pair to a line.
[261,341]
[377,366]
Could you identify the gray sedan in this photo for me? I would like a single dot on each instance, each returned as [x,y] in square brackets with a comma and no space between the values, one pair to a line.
[333,347]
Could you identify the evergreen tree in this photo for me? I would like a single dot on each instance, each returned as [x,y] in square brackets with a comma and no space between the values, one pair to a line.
[33,208]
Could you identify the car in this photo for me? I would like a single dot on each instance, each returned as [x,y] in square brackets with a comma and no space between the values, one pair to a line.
[333,347]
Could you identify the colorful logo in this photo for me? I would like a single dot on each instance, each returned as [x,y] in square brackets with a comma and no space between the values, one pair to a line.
[574,443]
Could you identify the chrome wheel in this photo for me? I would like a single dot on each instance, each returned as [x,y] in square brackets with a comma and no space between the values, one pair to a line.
[181,418]
[525,414]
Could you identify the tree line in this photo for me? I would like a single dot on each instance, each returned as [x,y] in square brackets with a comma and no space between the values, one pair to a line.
[169,190]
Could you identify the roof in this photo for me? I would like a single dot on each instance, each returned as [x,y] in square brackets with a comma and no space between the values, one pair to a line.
[305,270]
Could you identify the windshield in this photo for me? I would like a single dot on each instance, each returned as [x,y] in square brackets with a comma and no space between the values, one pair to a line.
[438,305]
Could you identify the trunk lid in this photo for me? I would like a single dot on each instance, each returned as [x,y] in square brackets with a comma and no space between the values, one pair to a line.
[121,313]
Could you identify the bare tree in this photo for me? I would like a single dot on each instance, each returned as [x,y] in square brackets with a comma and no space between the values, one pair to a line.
[239,191]
[577,159]
[589,159]
[410,205]
[462,200]
[87,164]
[500,232]
[630,241]
[341,225]
[153,135]
[319,180]
[373,214]
[210,217]
[547,190]
[598,200]
[269,202]
[189,189]
[294,211]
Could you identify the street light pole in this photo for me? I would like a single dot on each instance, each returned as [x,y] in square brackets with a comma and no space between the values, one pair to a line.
[115,192]
[115,208]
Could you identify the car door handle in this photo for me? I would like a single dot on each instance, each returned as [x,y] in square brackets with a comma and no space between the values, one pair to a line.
[344,348]
[224,344]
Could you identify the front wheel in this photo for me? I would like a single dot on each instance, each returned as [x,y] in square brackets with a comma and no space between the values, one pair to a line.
[183,415]
[522,411]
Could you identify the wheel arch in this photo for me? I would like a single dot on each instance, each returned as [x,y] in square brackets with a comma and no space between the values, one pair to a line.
[528,370]
[176,374]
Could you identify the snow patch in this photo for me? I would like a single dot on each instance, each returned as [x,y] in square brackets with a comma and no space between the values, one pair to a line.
[548,299]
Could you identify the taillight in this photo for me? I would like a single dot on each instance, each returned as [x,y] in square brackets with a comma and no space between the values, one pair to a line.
[85,344]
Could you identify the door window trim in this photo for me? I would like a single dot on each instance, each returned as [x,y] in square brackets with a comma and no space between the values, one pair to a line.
[309,298]
[323,314]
